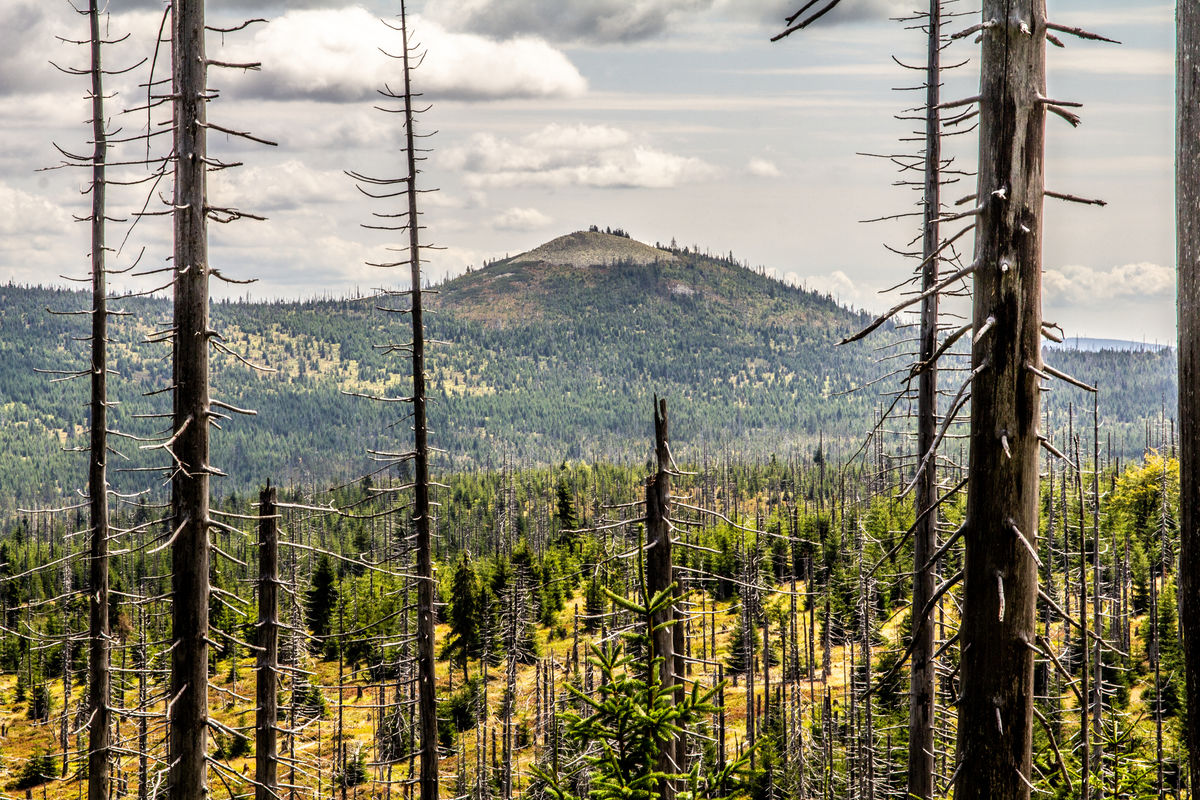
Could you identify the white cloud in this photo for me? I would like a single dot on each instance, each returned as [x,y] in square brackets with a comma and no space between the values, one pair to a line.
[467,199]
[837,284]
[856,70]
[521,219]
[1095,18]
[601,21]
[339,55]
[26,44]
[572,155]
[777,11]
[629,21]
[1113,60]
[1086,286]
[38,239]
[285,186]
[763,168]
[26,215]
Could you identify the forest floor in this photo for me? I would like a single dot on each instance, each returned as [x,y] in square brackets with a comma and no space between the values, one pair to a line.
[320,751]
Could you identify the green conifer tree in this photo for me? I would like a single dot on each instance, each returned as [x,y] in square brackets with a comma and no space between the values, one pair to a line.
[626,725]
[465,613]
[322,598]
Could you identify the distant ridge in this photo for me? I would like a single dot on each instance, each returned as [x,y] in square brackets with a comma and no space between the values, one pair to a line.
[1090,345]
[537,361]
[593,248]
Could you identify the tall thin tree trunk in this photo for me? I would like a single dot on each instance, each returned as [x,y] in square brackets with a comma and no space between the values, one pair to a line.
[1000,590]
[1097,608]
[921,684]
[1187,200]
[1154,659]
[659,567]
[426,676]
[143,740]
[188,774]
[266,753]
[1085,735]
[100,679]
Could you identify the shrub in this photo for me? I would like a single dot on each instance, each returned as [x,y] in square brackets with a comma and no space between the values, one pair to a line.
[40,768]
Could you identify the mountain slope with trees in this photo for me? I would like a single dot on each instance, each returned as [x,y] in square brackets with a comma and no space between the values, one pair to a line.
[535,362]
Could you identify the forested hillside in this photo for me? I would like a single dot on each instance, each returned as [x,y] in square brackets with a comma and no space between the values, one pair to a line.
[535,362]
[537,566]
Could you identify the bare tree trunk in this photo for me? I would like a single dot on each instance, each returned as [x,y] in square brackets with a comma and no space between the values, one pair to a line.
[188,778]
[921,684]
[64,728]
[1085,736]
[1187,199]
[426,677]
[1097,622]
[721,733]
[100,679]
[143,741]
[1154,659]
[266,753]
[1000,590]
[659,576]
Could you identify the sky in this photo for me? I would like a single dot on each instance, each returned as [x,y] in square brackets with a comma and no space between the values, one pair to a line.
[672,119]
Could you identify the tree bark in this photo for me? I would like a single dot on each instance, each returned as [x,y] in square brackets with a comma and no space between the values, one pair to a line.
[1187,200]
[1000,575]
[659,567]
[921,682]
[188,778]
[266,752]
[426,685]
[100,679]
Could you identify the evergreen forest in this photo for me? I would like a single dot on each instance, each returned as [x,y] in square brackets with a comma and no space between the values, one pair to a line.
[604,519]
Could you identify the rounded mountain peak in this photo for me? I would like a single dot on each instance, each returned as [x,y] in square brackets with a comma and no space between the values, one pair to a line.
[593,248]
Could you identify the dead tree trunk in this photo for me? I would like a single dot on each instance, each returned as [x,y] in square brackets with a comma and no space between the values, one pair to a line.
[921,685]
[100,679]
[1085,736]
[1187,200]
[266,753]
[426,687]
[187,779]
[1000,571]
[659,577]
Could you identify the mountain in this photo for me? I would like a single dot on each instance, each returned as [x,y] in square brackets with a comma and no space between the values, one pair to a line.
[549,355]
[559,360]
[1093,345]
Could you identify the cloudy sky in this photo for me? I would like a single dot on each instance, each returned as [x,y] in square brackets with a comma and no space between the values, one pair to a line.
[672,119]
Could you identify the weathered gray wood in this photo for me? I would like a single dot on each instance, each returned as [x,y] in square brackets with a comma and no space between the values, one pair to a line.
[266,718]
[1085,735]
[659,574]
[188,774]
[426,676]
[100,677]
[1187,204]
[1000,575]
[921,682]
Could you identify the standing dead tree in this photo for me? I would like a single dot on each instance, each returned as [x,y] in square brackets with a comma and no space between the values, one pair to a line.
[931,350]
[188,776]
[99,716]
[1001,527]
[194,410]
[921,747]
[266,753]
[1187,209]
[408,221]
[1000,569]
[659,578]
[1003,385]
[100,683]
